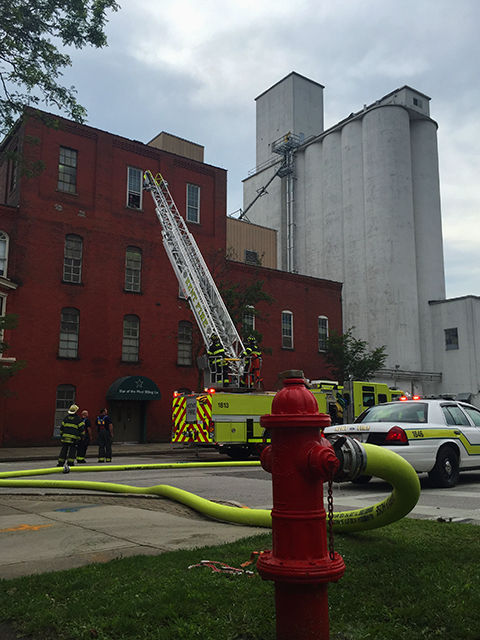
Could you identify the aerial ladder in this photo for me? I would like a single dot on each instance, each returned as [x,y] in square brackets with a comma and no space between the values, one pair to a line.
[196,281]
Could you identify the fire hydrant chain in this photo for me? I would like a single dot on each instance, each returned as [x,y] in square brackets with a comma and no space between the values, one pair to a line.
[331,550]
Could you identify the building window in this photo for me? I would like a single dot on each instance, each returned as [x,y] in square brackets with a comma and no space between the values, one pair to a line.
[418,103]
[69,329]
[451,339]
[134,188]
[193,203]
[3,253]
[322,333]
[72,259]
[251,257]
[133,269]
[287,330]
[3,300]
[185,343]
[65,398]
[248,320]
[67,170]
[131,338]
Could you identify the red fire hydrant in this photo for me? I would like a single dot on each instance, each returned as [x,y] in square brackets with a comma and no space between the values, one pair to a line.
[300,460]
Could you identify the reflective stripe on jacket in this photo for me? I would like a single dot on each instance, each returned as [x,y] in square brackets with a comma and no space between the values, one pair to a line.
[71,429]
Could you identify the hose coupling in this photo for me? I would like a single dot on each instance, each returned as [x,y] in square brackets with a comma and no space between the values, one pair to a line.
[351,455]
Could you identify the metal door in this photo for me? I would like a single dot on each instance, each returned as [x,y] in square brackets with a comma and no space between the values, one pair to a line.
[126,416]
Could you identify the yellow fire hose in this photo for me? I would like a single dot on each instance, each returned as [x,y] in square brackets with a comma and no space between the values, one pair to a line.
[380,463]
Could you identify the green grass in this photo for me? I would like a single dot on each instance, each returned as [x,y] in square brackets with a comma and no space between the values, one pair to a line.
[414,580]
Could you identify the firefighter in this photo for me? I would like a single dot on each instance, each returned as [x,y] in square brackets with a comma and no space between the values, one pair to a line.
[71,430]
[251,363]
[216,359]
[104,436]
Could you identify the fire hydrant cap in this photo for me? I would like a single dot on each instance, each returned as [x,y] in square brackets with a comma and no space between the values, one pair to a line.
[294,398]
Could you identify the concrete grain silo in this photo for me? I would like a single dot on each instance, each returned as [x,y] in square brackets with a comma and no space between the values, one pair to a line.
[358,203]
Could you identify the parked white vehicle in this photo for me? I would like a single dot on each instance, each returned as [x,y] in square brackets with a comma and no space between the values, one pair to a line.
[440,437]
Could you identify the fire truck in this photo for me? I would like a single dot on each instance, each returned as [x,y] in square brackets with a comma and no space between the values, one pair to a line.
[228,420]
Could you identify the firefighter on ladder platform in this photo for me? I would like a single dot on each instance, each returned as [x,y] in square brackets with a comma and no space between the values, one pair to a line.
[252,363]
[217,362]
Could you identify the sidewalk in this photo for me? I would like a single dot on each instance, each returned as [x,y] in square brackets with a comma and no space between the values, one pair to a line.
[54,530]
[18,454]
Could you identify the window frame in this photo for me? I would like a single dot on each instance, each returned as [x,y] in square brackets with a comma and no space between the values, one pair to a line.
[451,339]
[454,411]
[286,313]
[192,207]
[185,344]
[67,170]
[5,240]
[3,306]
[69,268]
[473,414]
[133,276]
[322,338]
[130,343]
[68,346]
[133,192]
[248,320]
[61,406]
[252,258]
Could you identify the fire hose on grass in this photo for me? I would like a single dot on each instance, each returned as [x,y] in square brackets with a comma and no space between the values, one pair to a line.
[369,460]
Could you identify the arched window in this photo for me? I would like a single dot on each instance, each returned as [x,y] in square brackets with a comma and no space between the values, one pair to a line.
[69,330]
[65,398]
[72,258]
[322,333]
[185,342]
[3,253]
[287,330]
[131,338]
[133,269]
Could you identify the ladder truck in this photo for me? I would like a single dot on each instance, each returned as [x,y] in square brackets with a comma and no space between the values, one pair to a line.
[227,420]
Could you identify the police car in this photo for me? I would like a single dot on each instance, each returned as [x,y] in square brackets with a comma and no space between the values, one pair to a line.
[440,437]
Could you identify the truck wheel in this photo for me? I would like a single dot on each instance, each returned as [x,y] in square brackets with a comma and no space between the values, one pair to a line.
[446,472]
[238,453]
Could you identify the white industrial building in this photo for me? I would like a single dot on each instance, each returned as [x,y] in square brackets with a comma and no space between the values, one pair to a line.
[359,203]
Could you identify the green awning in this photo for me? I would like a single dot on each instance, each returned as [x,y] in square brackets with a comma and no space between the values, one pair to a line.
[133,388]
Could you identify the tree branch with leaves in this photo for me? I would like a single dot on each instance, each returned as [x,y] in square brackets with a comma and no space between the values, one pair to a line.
[31,61]
[8,368]
[350,358]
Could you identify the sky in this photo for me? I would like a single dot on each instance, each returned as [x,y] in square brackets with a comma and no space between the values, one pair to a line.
[193,68]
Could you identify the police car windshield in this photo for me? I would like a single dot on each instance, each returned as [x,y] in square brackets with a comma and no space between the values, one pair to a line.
[396,412]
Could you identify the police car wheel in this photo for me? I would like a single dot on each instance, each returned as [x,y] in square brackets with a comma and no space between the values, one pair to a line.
[445,473]
[362,479]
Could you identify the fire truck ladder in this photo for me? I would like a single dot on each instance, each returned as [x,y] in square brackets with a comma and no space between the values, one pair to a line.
[194,276]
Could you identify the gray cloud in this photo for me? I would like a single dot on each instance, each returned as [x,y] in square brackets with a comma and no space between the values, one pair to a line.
[194,69]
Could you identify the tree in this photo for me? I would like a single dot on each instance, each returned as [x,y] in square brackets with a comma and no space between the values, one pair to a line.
[7,369]
[349,357]
[30,62]
[241,299]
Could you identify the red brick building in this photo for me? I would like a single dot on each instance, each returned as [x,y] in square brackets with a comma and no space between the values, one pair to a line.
[82,264]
